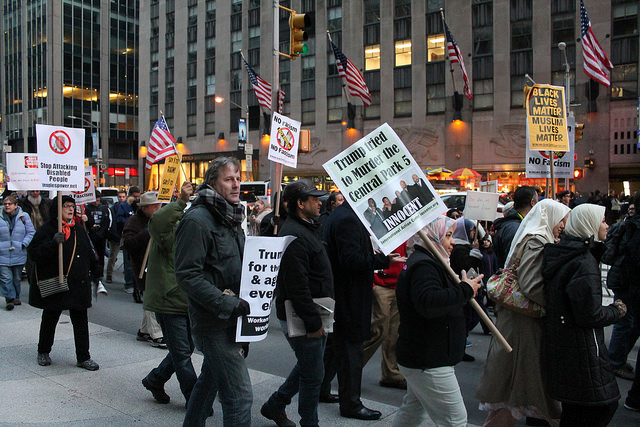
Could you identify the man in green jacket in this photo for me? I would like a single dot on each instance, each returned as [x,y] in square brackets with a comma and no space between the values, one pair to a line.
[163,297]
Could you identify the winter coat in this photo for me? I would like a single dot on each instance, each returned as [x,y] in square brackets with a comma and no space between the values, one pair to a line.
[17,236]
[124,211]
[515,379]
[305,272]
[97,215]
[135,237]
[505,230]
[432,331]
[208,261]
[162,293]
[626,275]
[43,208]
[575,357]
[352,262]
[43,261]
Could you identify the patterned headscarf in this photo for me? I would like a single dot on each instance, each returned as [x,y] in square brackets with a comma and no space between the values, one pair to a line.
[436,230]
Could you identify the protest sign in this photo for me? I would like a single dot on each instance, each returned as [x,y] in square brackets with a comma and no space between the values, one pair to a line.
[481,206]
[260,265]
[537,162]
[169,177]
[489,186]
[385,187]
[22,172]
[88,194]
[60,158]
[546,118]
[285,139]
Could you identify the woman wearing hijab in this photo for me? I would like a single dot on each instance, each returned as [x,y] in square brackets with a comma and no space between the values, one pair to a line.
[432,331]
[511,386]
[576,362]
[79,261]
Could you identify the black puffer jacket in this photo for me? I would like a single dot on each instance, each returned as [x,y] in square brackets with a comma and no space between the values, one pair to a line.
[575,358]
[505,230]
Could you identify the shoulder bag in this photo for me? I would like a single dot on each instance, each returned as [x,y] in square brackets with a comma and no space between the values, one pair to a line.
[53,285]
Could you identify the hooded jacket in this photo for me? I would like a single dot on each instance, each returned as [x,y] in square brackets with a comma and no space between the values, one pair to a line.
[17,236]
[575,357]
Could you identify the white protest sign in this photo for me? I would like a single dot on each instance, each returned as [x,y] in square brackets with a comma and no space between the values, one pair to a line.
[260,265]
[88,194]
[537,162]
[489,186]
[480,205]
[60,157]
[22,172]
[385,187]
[285,139]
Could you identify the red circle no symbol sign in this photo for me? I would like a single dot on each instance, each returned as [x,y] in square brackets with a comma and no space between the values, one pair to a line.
[60,142]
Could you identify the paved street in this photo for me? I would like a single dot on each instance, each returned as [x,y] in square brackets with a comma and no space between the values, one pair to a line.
[113,396]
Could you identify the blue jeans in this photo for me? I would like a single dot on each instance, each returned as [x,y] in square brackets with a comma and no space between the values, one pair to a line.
[625,333]
[224,371]
[10,281]
[176,331]
[305,378]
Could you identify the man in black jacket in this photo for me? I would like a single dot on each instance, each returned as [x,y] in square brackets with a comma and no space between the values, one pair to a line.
[98,224]
[505,228]
[305,274]
[352,262]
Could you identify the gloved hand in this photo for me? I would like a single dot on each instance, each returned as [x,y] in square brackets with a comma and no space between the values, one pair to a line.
[58,237]
[241,309]
[622,308]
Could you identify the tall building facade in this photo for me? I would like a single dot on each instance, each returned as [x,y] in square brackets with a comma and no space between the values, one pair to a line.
[73,58]
[190,53]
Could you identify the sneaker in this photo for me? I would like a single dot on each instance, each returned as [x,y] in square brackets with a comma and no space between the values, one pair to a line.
[101,289]
[10,304]
[280,418]
[128,291]
[632,405]
[109,279]
[624,373]
[158,342]
[89,365]
[44,359]
[137,296]
[143,336]
[17,302]
[468,343]
[158,391]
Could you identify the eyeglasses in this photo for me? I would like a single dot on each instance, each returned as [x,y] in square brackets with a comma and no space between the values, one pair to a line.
[9,204]
[68,205]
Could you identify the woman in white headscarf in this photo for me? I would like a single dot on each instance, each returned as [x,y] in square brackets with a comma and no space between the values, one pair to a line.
[511,386]
[432,331]
[575,357]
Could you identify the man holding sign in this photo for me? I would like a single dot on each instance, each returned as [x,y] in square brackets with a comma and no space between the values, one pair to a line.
[305,274]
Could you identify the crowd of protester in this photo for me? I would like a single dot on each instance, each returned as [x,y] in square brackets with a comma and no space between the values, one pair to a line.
[184,265]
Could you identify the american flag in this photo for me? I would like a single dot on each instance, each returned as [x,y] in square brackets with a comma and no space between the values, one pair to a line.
[455,56]
[596,63]
[161,143]
[355,81]
[262,88]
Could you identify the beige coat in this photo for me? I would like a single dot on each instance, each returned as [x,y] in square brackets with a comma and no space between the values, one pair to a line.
[514,380]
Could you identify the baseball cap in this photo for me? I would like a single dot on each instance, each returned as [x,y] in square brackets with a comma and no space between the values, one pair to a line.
[299,189]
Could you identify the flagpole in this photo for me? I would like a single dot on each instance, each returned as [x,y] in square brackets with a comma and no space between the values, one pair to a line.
[446,50]
[344,86]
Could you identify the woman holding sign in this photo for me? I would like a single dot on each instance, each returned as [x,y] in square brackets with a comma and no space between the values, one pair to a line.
[79,265]
[432,331]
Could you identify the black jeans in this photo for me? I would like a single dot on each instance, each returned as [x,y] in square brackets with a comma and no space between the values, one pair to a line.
[582,415]
[80,332]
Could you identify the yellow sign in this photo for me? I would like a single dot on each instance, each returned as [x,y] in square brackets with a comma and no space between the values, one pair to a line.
[169,177]
[547,119]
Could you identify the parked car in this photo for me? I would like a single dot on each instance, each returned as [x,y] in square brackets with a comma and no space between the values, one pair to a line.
[109,195]
[252,191]
[458,199]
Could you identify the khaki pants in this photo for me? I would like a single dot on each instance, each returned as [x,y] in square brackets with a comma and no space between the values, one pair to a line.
[384,332]
[114,250]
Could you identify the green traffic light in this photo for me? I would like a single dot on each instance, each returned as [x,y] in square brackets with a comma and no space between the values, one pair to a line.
[305,49]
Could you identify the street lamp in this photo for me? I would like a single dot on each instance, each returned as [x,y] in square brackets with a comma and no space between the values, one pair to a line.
[99,158]
[248,149]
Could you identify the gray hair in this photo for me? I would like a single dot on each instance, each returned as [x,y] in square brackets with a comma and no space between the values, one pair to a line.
[218,164]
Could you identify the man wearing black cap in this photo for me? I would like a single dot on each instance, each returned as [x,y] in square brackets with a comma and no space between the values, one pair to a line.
[305,273]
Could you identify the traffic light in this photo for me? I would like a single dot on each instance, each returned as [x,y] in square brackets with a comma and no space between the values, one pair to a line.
[578,173]
[579,129]
[588,162]
[298,22]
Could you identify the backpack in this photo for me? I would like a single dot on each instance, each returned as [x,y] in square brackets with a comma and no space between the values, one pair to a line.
[613,246]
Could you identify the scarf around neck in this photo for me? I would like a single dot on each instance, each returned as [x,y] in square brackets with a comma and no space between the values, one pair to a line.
[231,214]
[66,227]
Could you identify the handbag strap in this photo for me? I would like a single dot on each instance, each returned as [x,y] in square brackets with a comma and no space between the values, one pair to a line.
[75,241]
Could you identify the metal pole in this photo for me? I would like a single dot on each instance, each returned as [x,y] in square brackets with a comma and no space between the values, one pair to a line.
[567,90]
[275,170]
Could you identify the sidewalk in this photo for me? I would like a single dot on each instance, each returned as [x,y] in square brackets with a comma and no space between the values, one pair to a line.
[112,396]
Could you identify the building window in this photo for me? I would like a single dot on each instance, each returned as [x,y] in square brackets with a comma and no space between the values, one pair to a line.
[624,50]
[308,111]
[372,78]
[436,94]
[482,22]
[403,52]
[334,109]
[402,92]
[372,57]
[435,48]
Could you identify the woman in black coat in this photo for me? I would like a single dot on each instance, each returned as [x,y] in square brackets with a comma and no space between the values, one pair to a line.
[77,251]
[575,357]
